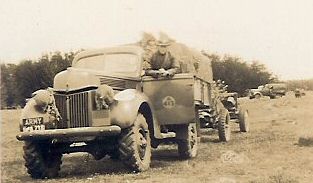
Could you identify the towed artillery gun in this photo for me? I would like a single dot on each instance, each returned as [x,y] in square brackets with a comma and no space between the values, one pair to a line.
[215,108]
[224,110]
[237,113]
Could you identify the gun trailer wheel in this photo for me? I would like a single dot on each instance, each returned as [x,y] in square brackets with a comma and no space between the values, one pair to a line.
[40,162]
[187,148]
[224,126]
[244,125]
[135,145]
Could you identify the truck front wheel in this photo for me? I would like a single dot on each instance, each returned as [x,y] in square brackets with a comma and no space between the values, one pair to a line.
[135,145]
[187,148]
[40,162]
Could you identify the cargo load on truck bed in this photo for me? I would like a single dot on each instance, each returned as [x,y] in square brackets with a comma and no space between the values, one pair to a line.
[191,60]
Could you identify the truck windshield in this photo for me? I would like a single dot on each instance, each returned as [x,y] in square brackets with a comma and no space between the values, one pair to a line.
[125,64]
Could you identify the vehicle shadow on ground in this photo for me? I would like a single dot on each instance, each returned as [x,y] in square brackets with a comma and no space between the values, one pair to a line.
[209,135]
[85,166]
[165,156]
[209,139]
[166,153]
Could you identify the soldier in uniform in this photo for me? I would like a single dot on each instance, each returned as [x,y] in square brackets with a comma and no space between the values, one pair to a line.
[162,62]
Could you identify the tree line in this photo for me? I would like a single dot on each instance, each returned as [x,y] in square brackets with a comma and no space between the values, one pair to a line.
[306,84]
[18,81]
[238,74]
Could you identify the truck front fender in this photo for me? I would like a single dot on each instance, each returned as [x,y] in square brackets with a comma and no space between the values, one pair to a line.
[31,111]
[40,108]
[124,111]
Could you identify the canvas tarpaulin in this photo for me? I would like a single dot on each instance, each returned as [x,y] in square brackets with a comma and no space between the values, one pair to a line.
[191,60]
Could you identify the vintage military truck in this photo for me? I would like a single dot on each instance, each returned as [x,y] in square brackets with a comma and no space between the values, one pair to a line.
[272,90]
[104,105]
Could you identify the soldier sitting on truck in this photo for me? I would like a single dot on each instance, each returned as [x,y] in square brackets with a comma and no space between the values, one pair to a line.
[162,62]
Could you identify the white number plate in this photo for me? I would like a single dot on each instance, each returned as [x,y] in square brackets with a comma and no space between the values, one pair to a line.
[33,124]
[33,128]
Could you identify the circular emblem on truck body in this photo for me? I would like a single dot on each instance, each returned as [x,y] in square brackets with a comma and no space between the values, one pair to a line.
[168,102]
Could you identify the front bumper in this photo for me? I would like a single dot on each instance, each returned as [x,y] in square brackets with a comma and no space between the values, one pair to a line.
[70,133]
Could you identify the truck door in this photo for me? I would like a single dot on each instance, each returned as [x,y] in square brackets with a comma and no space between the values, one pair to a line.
[172,98]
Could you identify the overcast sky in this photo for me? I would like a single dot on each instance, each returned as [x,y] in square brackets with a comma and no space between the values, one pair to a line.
[278,33]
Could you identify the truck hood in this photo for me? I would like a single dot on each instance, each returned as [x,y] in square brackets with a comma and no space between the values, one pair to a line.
[73,79]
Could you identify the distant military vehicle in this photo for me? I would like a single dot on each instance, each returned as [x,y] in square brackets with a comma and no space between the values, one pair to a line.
[272,90]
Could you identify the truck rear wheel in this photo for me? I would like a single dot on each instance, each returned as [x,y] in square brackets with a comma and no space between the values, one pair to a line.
[187,148]
[244,125]
[257,96]
[224,126]
[135,145]
[41,163]
[273,96]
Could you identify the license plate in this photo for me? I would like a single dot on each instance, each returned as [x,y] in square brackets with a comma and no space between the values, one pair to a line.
[33,128]
[33,124]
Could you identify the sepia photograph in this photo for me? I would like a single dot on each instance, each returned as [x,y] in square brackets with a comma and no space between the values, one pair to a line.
[154,91]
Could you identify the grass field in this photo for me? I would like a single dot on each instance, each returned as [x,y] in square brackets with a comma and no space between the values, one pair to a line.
[278,149]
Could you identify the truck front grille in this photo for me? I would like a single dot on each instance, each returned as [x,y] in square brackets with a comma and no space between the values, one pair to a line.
[74,109]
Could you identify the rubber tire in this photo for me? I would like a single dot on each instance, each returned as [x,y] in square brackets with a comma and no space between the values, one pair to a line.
[129,151]
[257,96]
[272,97]
[224,126]
[187,148]
[244,124]
[39,162]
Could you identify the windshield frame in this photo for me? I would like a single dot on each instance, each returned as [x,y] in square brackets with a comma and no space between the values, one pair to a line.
[135,74]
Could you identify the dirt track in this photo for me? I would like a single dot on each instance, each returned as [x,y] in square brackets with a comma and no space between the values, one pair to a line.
[269,153]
